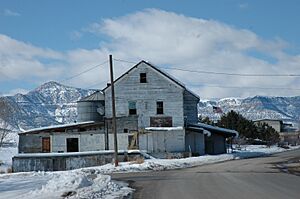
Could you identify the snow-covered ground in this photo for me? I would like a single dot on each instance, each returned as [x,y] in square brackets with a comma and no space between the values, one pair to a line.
[94,182]
[6,154]
[47,185]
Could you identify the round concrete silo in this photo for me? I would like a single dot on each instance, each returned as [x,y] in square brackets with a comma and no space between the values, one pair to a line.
[91,108]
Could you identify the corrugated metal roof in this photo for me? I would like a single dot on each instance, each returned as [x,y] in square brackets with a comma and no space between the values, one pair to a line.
[57,127]
[96,96]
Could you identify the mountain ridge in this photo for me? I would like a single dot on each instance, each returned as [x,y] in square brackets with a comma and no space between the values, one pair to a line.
[53,103]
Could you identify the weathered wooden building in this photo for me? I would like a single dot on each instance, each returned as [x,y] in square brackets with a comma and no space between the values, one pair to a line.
[155,112]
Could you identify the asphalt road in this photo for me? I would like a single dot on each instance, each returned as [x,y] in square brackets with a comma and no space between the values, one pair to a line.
[248,178]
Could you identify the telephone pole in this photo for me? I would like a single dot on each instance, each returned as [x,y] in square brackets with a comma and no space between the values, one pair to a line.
[114,129]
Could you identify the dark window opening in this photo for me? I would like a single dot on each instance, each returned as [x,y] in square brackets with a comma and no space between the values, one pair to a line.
[72,145]
[132,108]
[159,107]
[125,130]
[143,78]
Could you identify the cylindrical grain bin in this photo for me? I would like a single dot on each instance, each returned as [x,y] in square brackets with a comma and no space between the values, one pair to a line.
[91,108]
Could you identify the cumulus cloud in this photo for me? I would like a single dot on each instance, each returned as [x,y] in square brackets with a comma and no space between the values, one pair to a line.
[167,39]
[10,13]
[21,60]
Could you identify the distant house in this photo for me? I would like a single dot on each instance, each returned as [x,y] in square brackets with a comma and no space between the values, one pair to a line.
[287,132]
[275,123]
[155,112]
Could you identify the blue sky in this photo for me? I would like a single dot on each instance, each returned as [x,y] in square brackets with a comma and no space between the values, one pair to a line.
[62,38]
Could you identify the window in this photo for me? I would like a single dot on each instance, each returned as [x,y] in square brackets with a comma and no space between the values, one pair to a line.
[72,145]
[125,130]
[159,107]
[132,107]
[143,78]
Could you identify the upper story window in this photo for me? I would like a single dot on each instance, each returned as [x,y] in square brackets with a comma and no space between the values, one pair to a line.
[159,107]
[143,78]
[132,107]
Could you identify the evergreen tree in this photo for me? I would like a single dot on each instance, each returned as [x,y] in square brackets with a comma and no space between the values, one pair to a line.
[247,128]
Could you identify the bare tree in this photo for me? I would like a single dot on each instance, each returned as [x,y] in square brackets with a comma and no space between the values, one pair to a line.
[5,116]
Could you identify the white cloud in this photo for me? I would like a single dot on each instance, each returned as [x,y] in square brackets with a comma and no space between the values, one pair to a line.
[165,39]
[243,5]
[16,91]
[21,60]
[10,13]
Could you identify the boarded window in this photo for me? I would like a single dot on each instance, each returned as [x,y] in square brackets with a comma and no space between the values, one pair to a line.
[46,145]
[72,145]
[143,78]
[161,122]
[132,107]
[159,107]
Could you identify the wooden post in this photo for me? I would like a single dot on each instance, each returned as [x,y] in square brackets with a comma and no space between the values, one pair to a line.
[114,129]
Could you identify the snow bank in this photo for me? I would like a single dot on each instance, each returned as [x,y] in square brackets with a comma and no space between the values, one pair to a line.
[71,184]
[6,155]
[80,184]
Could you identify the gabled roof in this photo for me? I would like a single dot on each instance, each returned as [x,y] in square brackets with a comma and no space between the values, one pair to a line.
[214,129]
[180,84]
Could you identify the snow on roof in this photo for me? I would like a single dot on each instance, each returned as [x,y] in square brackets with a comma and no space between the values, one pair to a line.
[214,128]
[56,126]
[164,128]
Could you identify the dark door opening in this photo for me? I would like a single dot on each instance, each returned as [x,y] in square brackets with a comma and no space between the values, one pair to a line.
[46,145]
[72,145]
[209,145]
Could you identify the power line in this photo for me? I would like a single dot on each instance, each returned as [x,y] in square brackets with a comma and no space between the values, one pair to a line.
[122,60]
[96,84]
[232,74]
[220,73]
[85,71]
[246,87]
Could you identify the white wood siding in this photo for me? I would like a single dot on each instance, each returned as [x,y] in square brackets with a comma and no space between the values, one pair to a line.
[157,88]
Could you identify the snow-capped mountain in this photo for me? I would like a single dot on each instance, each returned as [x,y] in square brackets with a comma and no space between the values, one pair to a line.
[50,104]
[53,103]
[258,107]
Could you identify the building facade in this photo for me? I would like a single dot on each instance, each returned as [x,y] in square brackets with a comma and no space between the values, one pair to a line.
[155,112]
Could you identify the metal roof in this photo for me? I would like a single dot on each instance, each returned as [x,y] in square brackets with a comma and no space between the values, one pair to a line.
[96,96]
[62,126]
[214,129]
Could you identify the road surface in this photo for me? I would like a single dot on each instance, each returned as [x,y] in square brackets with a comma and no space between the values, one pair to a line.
[253,178]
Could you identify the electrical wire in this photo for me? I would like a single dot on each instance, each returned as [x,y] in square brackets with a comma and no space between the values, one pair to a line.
[85,71]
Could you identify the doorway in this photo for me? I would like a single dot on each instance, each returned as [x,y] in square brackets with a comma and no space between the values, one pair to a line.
[46,145]
[72,145]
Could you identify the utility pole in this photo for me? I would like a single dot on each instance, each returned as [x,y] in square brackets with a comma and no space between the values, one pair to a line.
[114,127]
